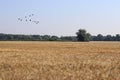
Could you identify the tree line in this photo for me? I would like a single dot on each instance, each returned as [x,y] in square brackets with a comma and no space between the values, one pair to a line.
[14,37]
[81,35]
[100,37]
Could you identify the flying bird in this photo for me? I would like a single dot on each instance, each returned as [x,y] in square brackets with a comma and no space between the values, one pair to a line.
[29,15]
[37,22]
[32,14]
[25,16]
[19,19]
[28,18]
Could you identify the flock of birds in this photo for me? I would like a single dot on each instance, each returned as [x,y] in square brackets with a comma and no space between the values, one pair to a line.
[29,19]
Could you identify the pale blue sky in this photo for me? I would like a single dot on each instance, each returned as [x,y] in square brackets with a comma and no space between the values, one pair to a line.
[60,17]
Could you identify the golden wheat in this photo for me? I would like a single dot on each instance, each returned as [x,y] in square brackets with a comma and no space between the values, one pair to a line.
[59,60]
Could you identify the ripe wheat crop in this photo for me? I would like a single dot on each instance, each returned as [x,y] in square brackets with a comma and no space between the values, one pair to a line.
[59,60]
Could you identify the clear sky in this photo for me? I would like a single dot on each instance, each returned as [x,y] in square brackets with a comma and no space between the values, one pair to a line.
[60,17]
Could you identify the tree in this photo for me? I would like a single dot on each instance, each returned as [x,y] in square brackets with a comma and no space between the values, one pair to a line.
[54,38]
[46,37]
[82,35]
[100,37]
[108,38]
[117,37]
[68,38]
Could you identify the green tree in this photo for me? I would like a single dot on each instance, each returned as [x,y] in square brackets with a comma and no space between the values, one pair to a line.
[83,36]
[117,37]
[100,37]
[54,38]
[108,38]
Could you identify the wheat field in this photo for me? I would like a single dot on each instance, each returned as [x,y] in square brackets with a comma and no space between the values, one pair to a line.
[59,60]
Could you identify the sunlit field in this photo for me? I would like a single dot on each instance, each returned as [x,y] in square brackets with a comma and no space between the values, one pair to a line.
[59,60]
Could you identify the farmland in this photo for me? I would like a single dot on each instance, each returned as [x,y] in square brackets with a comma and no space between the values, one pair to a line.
[59,60]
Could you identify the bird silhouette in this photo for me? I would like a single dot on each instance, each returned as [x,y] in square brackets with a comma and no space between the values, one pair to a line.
[28,18]
[19,19]
[32,14]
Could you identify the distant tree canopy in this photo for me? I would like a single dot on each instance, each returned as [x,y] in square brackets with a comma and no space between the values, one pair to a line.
[82,35]
[100,37]
[13,37]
